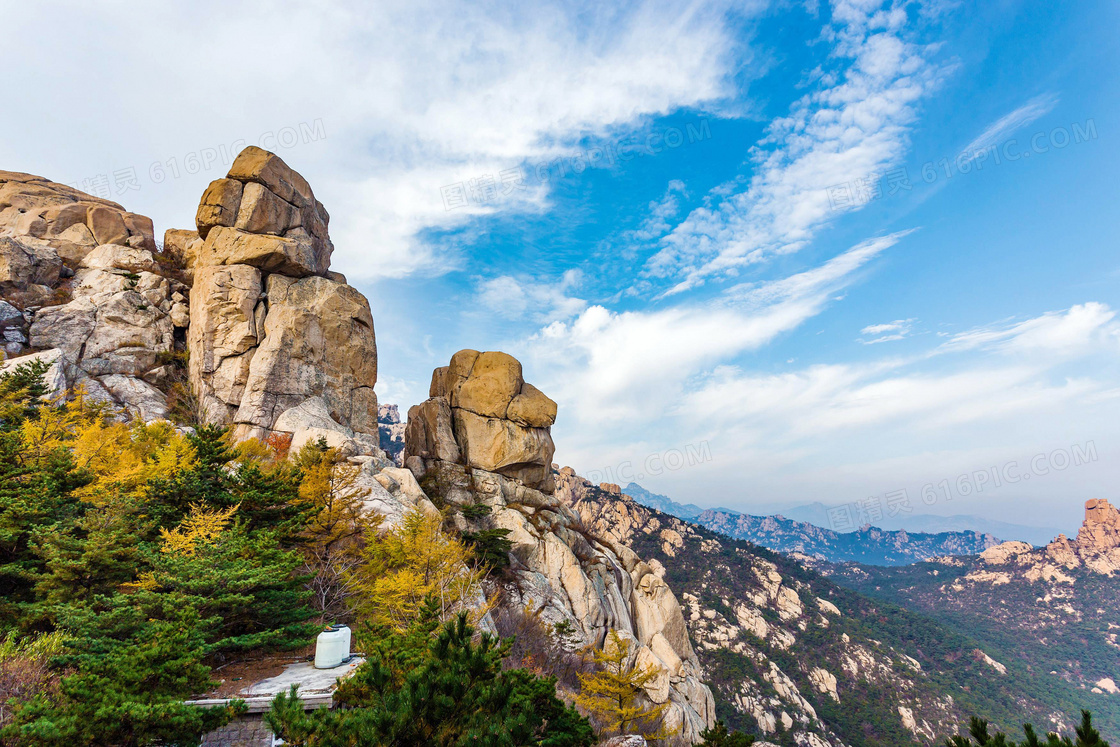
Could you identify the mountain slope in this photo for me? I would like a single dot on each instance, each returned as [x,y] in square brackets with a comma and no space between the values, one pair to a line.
[1054,610]
[800,660]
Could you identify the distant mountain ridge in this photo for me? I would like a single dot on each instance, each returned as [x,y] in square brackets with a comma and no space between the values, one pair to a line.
[662,503]
[817,513]
[870,545]
[873,545]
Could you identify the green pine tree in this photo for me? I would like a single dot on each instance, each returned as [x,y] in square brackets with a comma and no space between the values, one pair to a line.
[127,692]
[448,691]
[719,736]
[1086,736]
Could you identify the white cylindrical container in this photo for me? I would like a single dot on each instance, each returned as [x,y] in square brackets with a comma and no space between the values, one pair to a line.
[332,647]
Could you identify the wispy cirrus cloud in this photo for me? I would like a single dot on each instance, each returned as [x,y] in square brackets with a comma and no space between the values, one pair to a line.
[1082,328]
[1002,128]
[856,123]
[896,330]
[608,367]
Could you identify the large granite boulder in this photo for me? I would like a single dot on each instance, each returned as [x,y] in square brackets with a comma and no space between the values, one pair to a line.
[116,329]
[73,221]
[482,414]
[265,215]
[272,330]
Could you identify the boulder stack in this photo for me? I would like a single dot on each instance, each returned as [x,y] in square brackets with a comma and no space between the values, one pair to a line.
[481,413]
[278,343]
[80,279]
[483,439]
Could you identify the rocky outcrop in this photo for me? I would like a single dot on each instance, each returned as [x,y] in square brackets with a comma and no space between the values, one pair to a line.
[1096,549]
[81,278]
[391,432]
[117,330]
[481,413]
[278,344]
[483,438]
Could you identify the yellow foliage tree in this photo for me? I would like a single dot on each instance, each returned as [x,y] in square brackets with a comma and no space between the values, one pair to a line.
[612,694]
[121,458]
[339,522]
[202,526]
[410,562]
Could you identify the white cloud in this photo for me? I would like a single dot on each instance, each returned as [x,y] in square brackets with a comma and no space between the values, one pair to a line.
[1082,329]
[606,366]
[538,300]
[896,330]
[833,430]
[852,127]
[660,213]
[817,401]
[1002,128]
[412,97]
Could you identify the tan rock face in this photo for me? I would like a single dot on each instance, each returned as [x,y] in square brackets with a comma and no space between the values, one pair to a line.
[266,216]
[273,330]
[182,246]
[106,304]
[491,384]
[563,572]
[219,205]
[288,256]
[482,414]
[318,341]
[37,207]
[224,329]
[114,330]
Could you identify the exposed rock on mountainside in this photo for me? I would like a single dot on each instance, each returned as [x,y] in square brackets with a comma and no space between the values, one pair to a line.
[483,438]
[867,545]
[1051,609]
[83,275]
[792,655]
[483,414]
[391,431]
[278,344]
[1096,548]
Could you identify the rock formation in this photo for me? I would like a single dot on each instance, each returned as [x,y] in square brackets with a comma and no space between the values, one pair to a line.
[279,344]
[391,431]
[1096,548]
[481,413]
[79,276]
[483,438]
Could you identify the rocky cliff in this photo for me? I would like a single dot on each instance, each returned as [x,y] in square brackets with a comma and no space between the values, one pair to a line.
[804,661]
[1051,610]
[242,322]
[81,283]
[279,344]
[483,438]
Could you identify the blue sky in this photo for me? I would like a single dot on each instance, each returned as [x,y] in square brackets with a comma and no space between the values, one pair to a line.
[690,221]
